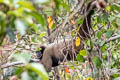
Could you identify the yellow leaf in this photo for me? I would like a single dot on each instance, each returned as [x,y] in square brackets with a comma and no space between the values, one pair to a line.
[77,42]
[1,0]
[18,36]
[50,22]
[108,8]
[89,78]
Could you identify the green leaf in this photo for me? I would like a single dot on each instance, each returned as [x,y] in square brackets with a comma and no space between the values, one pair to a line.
[97,61]
[26,4]
[103,19]
[114,24]
[89,43]
[111,18]
[118,21]
[20,26]
[116,74]
[83,52]
[48,11]
[11,34]
[115,7]
[109,33]
[65,6]
[80,58]
[18,12]
[57,3]
[102,43]
[22,57]
[103,48]
[41,1]
[19,70]
[39,18]
[25,76]
[42,35]
[99,34]
[38,68]
[80,21]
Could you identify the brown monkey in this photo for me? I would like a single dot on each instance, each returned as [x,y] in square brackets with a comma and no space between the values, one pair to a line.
[56,52]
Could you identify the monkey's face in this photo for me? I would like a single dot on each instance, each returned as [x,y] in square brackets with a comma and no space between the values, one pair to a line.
[39,54]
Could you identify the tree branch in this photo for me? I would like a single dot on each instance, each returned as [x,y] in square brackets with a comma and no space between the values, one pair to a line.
[112,38]
[17,63]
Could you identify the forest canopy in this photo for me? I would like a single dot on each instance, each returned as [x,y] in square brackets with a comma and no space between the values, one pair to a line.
[26,25]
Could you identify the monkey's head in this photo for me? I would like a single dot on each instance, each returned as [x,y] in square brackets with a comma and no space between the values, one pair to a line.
[100,4]
[95,4]
[39,53]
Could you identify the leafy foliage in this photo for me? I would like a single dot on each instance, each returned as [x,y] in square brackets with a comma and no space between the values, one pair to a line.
[25,23]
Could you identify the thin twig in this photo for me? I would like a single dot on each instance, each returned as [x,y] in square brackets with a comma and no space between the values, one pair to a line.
[113,38]
[11,64]
[17,63]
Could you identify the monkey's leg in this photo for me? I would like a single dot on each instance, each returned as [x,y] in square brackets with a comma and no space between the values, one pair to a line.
[58,76]
[47,62]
